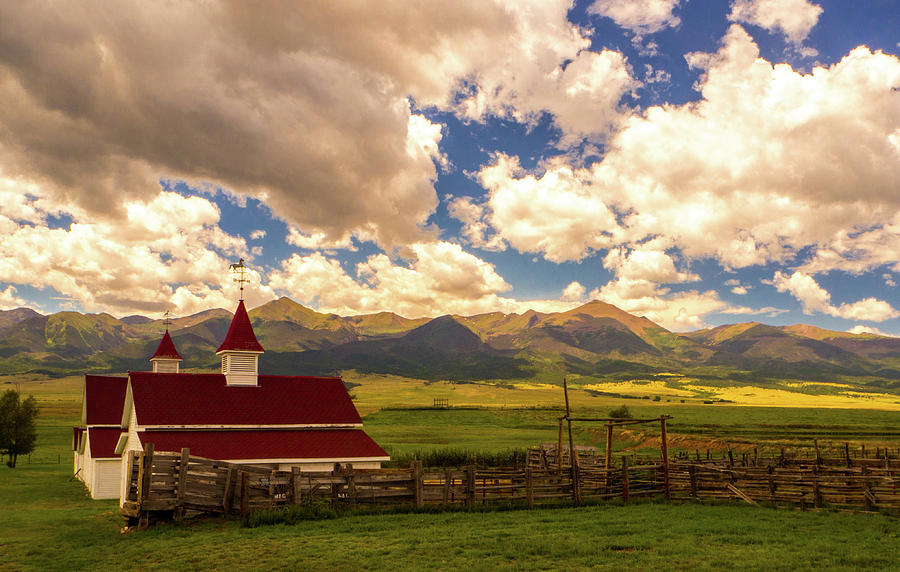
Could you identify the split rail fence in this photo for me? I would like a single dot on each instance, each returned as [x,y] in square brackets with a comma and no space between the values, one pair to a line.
[165,485]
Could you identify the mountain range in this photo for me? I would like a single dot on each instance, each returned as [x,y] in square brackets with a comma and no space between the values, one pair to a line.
[595,341]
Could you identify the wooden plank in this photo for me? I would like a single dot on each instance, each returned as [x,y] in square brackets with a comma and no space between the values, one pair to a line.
[743,496]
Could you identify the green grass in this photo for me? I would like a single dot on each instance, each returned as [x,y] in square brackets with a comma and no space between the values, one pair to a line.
[48,522]
[51,525]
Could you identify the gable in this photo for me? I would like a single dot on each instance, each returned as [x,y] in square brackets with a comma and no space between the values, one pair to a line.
[185,399]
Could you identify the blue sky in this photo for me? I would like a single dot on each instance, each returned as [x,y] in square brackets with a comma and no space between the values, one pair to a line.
[696,162]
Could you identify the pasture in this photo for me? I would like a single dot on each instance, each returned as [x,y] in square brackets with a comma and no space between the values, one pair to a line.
[47,522]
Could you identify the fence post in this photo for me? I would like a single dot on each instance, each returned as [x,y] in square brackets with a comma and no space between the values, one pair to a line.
[470,485]
[607,461]
[178,515]
[817,494]
[665,454]
[625,478]
[448,481]
[295,484]
[559,457]
[145,472]
[244,495]
[867,489]
[418,483]
[230,483]
[692,472]
[847,453]
[529,487]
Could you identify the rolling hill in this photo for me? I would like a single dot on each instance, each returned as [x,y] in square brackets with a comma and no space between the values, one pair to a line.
[596,340]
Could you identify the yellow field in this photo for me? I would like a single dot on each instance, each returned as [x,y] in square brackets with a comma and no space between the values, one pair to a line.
[62,397]
[756,396]
[377,391]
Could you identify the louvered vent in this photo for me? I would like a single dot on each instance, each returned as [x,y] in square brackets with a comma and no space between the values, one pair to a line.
[240,368]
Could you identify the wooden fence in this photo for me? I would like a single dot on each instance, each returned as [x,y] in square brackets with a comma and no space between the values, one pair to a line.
[164,485]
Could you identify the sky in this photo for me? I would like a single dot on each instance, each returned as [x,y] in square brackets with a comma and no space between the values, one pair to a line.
[697,162]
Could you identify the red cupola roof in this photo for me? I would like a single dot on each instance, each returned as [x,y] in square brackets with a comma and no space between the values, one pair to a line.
[240,336]
[166,349]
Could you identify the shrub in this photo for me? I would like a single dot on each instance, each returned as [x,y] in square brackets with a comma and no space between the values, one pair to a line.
[620,413]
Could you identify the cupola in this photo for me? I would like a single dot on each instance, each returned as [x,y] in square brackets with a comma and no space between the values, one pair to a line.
[240,351]
[166,358]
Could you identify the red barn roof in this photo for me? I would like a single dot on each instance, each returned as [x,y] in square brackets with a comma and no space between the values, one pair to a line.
[325,444]
[104,399]
[103,441]
[184,399]
[166,349]
[240,334]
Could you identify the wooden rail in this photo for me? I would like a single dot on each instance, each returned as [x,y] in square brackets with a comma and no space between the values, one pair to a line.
[166,485]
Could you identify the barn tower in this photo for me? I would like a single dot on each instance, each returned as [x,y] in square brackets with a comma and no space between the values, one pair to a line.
[166,358]
[240,351]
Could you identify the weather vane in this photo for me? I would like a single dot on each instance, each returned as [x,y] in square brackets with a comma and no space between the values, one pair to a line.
[240,269]
[167,320]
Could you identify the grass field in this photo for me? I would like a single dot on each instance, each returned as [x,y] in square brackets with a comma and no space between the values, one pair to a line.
[47,521]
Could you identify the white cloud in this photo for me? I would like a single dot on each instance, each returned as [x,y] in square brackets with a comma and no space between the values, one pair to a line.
[257,234]
[441,278]
[792,18]
[167,252]
[640,16]
[636,289]
[308,110]
[745,311]
[861,329]
[574,292]
[815,299]
[9,300]
[754,172]
[739,290]
[556,215]
[859,251]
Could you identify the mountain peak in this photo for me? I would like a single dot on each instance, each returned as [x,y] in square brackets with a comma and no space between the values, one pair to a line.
[445,333]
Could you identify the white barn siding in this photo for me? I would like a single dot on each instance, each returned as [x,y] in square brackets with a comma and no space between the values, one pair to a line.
[134,442]
[106,476]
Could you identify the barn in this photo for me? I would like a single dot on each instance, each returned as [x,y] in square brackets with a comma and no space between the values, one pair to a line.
[96,462]
[238,415]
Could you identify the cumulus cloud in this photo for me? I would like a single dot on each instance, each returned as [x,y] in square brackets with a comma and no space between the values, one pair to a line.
[306,109]
[166,252]
[861,329]
[792,18]
[9,300]
[556,215]
[816,299]
[857,251]
[574,292]
[640,16]
[755,171]
[636,288]
[440,278]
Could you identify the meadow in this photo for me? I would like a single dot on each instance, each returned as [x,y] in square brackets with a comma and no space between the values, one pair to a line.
[48,522]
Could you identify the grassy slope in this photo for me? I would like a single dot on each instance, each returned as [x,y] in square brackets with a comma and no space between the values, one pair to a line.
[47,522]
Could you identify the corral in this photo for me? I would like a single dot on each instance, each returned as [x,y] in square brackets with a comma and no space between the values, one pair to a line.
[167,485]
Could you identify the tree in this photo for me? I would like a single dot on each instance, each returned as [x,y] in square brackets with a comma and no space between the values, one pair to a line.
[17,428]
[620,413]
